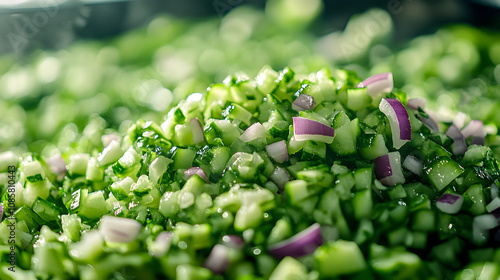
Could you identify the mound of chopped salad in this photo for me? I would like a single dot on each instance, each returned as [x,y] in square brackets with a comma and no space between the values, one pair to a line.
[285,176]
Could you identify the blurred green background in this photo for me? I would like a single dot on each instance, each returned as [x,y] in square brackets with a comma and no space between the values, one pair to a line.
[71,71]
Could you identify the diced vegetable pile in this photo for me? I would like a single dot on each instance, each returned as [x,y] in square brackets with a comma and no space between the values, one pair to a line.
[284,176]
[53,98]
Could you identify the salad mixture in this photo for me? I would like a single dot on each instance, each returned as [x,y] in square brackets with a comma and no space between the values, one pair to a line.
[386,170]
[285,176]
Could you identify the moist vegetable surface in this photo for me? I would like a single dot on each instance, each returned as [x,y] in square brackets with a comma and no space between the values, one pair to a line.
[283,176]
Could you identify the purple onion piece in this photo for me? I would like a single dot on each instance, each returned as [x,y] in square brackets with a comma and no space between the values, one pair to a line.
[116,229]
[218,260]
[472,128]
[253,132]
[450,203]
[380,83]
[306,129]
[197,129]
[383,166]
[233,241]
[303,102]
[398,120]
[1,211]
[478,138]
[278,151]
[301,244]
[415,103]
[459,146]
[430,122]
[57,166]
[388,169]
[196,170]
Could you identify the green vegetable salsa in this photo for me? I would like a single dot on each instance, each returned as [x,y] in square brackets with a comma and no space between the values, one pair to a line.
[279,177]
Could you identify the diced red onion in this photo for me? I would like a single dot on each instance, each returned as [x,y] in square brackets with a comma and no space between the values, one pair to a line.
[57,165]
[1,212]
[398,120]
[450,203]
[197,129]
[430,122]
[472,128]
[380,83]
[233,241]
[388,169]
[278,151]
[108,138]
[303,102]
[116,229]
[162,244]
[478,138]
[459,146]
[301,244]
[218,260]
[415,103]
[414,165]
[280,177]
[481,225]
[196,170]
[306,129]
[493,205]
[253,132]
[459,120]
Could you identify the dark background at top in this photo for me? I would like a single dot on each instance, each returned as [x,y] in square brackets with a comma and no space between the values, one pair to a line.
[76,20]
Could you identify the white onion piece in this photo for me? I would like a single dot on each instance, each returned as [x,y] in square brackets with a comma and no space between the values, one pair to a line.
[303,102]
[233,241]
[481,225]
[253,132]
[108,138]
[218,260]
[380,83]
[493,205]
[459,120]
[459,146]
[57,165]
[196,170]
[472,128]
[161,245]
[450,203]
[278,151]
[280,177]
[301,244]
[414,165]
[116,229]
[197,129]
[398,120]
[306,129]
[388,169]
[415,103]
